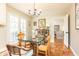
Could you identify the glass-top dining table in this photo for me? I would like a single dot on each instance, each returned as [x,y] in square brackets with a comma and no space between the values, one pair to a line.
[35,43]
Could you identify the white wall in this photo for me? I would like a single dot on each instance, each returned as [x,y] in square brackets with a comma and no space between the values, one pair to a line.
[51,21]
[2,14]
[3,36]
[74,34]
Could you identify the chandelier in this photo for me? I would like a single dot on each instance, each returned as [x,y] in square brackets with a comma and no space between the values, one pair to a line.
[34,12]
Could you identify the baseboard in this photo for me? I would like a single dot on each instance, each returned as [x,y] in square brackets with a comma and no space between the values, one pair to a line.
[73,51]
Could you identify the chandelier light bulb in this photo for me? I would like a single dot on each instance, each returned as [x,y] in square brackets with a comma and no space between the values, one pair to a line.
[34,12]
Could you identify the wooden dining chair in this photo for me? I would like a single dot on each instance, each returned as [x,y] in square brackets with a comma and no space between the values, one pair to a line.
[13,50]
[44,49]
[19,51]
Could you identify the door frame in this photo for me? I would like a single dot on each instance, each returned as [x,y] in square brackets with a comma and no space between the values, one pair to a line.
[69,41]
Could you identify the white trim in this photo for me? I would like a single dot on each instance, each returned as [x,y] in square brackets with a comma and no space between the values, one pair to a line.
[73,51]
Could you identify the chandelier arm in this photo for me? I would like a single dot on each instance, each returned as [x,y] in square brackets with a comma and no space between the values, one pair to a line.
[36,12]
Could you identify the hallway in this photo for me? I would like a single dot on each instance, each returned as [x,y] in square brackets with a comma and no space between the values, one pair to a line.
[59,49]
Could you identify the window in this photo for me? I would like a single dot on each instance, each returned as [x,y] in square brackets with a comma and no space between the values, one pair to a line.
[15,26]
[23,27]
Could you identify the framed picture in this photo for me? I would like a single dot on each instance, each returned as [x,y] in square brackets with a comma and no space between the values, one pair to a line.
[42,23]
[77,16]
[56,28]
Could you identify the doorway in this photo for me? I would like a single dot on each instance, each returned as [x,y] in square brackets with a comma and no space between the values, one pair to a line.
[62,31]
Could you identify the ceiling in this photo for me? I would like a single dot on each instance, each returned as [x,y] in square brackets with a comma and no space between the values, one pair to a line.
[54,9]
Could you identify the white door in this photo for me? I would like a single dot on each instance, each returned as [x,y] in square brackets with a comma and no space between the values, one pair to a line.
[66,33]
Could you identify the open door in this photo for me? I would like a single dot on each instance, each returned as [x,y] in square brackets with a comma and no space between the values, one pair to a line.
[67,31]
